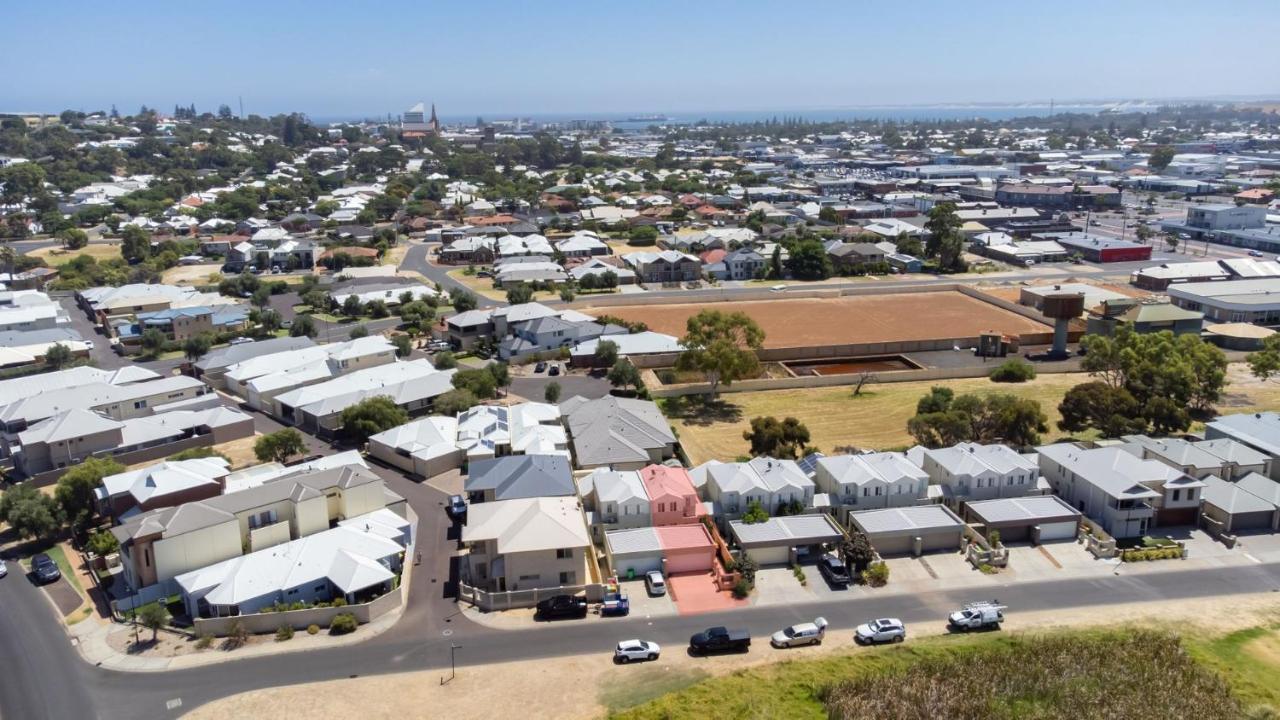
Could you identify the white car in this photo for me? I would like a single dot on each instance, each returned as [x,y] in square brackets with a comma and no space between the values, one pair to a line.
[800,634]
[88,344]
[4,569]
[629,650]
[881,631]
[655,583]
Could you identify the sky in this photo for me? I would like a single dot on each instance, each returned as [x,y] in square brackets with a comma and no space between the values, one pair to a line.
[531,57]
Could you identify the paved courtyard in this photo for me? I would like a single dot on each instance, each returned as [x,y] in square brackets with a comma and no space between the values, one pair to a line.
[644,605]
[697,593]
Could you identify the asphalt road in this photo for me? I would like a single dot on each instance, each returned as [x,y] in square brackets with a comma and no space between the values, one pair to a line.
[416,260]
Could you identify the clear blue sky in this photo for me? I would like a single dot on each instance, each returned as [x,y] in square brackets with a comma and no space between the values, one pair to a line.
[331,58]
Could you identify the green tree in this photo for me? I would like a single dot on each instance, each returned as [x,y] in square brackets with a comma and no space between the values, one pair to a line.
[358,332]
[352,307]
[372,416]
[769,437]
[480,382]
[153,341]
[73,238]
[722,346]
[57,356]
[623,374]
[152,616]
[75,489]
[463,300]
[943,224]
[404,345]
[454,402]
[501,373]
[103,543]
[606,353]
[279,446]
[943,419]
[30,513]
[1110,410]
[829,214]
[856,552]
[551,393]
[755,513]
[1160,158]
[1264,364]
[196,346]
[445,360]
[567,294]
[303,326]
[809,261]
[377,309]
[519,294]
[775,263]
[135,244]
[643,236]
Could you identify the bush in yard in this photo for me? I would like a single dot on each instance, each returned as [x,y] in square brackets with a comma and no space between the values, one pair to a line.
[284,632]
[205,641]
[238,636]
[1014,371]
[342,624]
[312,629]
[876,574]
[338,602]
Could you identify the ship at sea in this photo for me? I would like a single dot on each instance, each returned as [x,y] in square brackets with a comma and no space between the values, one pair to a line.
[647,118]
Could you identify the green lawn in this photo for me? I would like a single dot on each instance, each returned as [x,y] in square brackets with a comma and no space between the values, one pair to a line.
[1248,659]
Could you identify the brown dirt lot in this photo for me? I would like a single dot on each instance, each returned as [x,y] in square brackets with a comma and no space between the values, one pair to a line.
[803,322]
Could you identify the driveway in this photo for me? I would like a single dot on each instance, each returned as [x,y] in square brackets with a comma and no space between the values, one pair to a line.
[643,604]
[63,595]
[101,353]
[779,586]
[697,593]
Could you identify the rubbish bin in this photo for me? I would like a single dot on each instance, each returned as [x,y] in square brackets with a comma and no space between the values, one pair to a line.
[631,573]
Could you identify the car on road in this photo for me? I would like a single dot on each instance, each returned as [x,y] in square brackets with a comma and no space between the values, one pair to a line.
[977,616]
[553,370]
[44,568]
[629,650]
[541,367]
[457,507]
[720,639]
[810,633]
[4,569]
[834,571]
[1254,253]
[88,344]
[880,631]
[562,606]
[654,583]
[240,341]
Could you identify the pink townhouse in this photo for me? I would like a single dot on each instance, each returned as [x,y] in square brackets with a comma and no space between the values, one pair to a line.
[672,498]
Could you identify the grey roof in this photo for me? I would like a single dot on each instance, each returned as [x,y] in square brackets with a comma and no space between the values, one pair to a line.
[1260,431]
[1233,452]
[232,354]
[1233,498]
[1175,450]
[522,476]
[760,473]
[787,530]
[907,519]
[1261,486]
[615,430]
[1034,508]
[635,540]
[860,469]
[1113,470]
[92,395]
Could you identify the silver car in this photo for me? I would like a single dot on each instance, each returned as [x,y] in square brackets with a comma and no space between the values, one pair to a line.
[881,631]
[655,583]
[800,634]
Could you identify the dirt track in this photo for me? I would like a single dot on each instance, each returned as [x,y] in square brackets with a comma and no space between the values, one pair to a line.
[807,322]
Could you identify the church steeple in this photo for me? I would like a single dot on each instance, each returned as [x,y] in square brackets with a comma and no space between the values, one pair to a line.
[434,122]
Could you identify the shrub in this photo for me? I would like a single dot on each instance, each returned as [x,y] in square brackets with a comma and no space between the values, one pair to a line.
[342,624]
[741,589]
[204,641]
[1014,371]
[338,602]
[312,629]
[238,636]
[876,574]
[986,569]
[285,632]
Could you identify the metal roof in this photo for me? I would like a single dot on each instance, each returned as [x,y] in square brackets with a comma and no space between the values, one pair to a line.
[787,529]
[1034,508]
[907,519]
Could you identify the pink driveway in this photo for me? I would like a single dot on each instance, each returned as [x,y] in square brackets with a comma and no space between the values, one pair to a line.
[697,593]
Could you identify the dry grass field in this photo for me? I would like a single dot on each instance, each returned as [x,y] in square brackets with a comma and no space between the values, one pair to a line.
[55,256]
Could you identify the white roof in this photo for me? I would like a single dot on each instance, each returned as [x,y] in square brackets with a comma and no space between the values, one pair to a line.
[23,387]
[858,470]
[164,478]
[527,524]
[615,486]
[642,343]
[787,529]
[634,540]
[256,475]
[1030,508]
[922,517]
[1113,470]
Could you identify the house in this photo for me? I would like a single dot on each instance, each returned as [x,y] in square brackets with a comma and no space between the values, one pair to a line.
[164,484]
[158,545]
[666,266]
[1143,317]
[180,324]
[629,345]
[526,544]
[1237,458]
[1259,431]
[851,256]
[741,264]
[910,530]
[1126,495]
[1037,518]
[213,366]
[118,402]
[516,477]
[672,498]
[597,268]
[582,244]
[968,472]
[390,294]
[670,550]
[355,561]
[778,540]
[551,333]
[258,380]
[1177,453]
[425,447]
[28,347]
[411,385]
[777,485]
[1235,507]
[621,433]
[23,387]
[615,499]
[865,482]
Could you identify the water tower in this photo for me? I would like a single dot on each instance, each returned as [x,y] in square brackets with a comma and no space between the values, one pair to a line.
[1062,308]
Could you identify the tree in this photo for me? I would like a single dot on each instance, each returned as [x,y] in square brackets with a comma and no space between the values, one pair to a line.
[722,346]
[501,373]
[103,543]
[551,393]
[1160,158]
[828,214]
[372,416]
[57,356]
[135,244]
[1110,410]
[404,345]
[479,381]
[943,419]
[196,346]
[771,438]
[279,446]
[1264,364]
[1013,371]
[755,513]
[567,294]
[463,300]
[352,307]
[153,341]
[30,513]
[519,294]
[358,332]
[269,321]
[606,353]
[303,326]
[809,261]
[623,374]
[643,236]
[943,224]
[73,238]
[856,552]
[454,402]
[377,309]
[908,244]
[152,616]
[775,263]
[445,360]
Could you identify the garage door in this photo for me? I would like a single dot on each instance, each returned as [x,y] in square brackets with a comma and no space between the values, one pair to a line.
[689,561]
[1169,517]
[777,555]
[1251,521]
[949,540]
[637,563]
[1057,531]
[890,545]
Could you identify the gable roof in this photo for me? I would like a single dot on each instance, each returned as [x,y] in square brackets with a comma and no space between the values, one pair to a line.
[522,476]
[615,430]
[527,524]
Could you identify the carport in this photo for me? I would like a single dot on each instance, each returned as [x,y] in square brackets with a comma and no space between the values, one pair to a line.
[1038,518]
[1234,509]
[914,530]
[770,542]
[634,552]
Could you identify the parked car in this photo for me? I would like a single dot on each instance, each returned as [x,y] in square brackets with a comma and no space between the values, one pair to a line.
[615,605]
[553,370]
[4,569]
[562,606]
[1254,253]
[834,570]
[720,639]
[880,631]
[438,345]
[800,634]
[239,341]
[88,344]
[655,583]
[977,616]
[457,506]
[541,367]
[44,568]
[629,650]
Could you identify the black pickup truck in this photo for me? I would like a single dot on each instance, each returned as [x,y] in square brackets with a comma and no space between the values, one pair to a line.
[718,640]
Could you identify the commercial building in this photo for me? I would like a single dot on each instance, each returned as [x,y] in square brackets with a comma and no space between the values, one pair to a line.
[1248,301]
[1099,248]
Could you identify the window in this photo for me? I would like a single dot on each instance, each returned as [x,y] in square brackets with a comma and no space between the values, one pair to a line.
[318,588]
[292,592]
[1177,495]
[146,557]
[139,404]
[564,553]
[530,577]
[568,578]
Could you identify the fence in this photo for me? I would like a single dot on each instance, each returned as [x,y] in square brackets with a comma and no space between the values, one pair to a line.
[979,550]
[511,599]
[300,619]
[1097,540]
[147,595]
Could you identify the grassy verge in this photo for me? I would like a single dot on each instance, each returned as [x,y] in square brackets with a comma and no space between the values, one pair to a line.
[1248,659]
